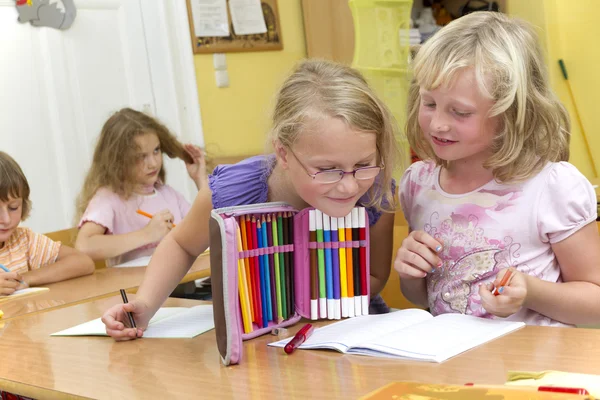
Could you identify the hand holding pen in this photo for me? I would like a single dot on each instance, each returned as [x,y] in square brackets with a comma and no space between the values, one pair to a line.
[10,281]
[506,295]
[127,320]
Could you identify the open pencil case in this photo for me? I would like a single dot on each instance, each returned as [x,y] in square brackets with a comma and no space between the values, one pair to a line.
[271,265]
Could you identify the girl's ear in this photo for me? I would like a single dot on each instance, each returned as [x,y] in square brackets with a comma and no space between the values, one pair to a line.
[281,152]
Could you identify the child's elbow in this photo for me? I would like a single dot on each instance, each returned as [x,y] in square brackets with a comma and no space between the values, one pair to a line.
[86,264]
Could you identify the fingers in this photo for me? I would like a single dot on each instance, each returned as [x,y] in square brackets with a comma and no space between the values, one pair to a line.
[427,240]
[124,334]
[6,291]
[11,283]
[418,255]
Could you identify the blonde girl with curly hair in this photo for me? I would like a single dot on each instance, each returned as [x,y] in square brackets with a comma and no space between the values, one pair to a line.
[495,190]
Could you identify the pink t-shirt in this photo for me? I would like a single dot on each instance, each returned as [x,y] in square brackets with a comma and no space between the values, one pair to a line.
[495,227]
[119,216]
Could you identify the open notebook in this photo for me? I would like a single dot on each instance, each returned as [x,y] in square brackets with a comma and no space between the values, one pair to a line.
[168,322]
[407,334]
[17,294]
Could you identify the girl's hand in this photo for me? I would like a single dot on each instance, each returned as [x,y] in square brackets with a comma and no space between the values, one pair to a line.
[160,224]
[197,170]
[418,256]
[117,322]
[511,298]
[9,282]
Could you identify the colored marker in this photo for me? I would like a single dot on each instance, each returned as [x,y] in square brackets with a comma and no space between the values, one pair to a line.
[356,263]
[321,265]
[314,282]
[343,276]
[362,234]
[335,267]
[349,264]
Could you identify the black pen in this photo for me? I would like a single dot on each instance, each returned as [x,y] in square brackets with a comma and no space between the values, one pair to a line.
[131,320]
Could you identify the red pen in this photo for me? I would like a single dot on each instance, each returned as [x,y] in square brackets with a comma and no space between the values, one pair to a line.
[300,338]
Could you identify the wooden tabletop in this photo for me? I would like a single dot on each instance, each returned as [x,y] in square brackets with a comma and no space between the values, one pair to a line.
[103,283]
[37,365]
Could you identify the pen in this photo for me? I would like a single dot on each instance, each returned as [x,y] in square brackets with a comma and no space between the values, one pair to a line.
[303,334]
[503,282]
[555,389]
[145,214]
[131,320]
[8,270]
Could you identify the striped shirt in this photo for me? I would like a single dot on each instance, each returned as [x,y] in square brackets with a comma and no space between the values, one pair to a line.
[26,250]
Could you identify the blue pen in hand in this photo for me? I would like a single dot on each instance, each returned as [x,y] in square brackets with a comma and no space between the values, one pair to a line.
[8,270]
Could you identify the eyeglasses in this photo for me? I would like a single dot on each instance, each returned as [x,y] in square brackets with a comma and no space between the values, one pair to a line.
[336,175]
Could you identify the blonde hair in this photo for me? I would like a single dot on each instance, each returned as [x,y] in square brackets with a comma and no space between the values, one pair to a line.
[510,69]
[13,183]
[114,157]
[319,89]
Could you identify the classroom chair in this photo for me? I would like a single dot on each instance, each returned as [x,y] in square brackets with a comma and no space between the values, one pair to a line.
[68,237]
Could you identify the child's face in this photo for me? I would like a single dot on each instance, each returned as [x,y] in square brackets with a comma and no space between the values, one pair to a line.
[454,120]
[10,217]
[148,159]
[325,145]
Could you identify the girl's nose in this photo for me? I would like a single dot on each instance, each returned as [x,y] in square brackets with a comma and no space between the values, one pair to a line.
[348,184]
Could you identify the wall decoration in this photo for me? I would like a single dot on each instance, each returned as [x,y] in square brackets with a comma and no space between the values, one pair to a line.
[44,13]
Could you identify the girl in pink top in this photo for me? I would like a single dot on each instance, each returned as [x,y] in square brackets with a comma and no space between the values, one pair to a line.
[127,174]
[496,190]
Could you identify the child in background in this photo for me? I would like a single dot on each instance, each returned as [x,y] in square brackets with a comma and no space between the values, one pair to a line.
[334,148]
[496,190]
[127,174]
[32,259]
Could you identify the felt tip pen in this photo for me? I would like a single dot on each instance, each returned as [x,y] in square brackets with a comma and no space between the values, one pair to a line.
[303,334]
[554,389]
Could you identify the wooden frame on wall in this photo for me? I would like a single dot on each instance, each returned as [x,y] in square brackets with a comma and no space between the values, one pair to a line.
[271,40]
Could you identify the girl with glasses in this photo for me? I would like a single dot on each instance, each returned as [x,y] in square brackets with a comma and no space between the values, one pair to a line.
[334,148]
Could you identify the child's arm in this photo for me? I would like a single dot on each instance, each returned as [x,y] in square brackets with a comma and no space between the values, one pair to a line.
[381,237]
[575,300]
[70,263]
[169,264]
[417,257]
[92,240]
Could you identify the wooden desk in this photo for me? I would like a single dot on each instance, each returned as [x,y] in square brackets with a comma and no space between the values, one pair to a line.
[37,365]
[104,282]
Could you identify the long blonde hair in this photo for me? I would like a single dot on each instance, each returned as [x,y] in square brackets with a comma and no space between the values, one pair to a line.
[510,69]
[114,157]
[318,89]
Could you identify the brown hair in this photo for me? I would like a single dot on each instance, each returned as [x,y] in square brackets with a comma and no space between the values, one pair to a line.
[114,157]
[13,183]
[509,67]
[318,89]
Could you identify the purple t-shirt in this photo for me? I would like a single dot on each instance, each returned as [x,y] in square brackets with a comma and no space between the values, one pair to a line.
[246,183]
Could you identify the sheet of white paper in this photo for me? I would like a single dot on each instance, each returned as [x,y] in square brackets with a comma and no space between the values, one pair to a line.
[29,290]
[247,17]
[168,322]
[138,262]
[210,17]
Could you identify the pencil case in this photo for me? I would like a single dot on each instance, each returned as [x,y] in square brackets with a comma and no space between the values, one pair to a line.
[271,265]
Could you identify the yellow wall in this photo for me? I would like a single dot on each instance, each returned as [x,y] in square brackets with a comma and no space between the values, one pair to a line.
[235,120]
[568,30]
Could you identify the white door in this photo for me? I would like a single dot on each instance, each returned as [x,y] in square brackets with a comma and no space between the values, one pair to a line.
[58,88]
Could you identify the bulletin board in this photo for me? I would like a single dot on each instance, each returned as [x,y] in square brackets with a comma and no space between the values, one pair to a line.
[271,40]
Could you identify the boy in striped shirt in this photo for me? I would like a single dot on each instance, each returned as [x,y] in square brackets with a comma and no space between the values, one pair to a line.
[23,251]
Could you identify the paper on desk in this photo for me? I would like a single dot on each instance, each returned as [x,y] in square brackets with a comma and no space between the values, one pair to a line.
[556,378]
[168,322]
[24,293]
[144,261]
[138,262]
